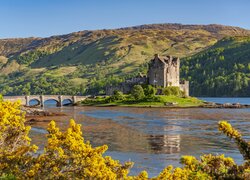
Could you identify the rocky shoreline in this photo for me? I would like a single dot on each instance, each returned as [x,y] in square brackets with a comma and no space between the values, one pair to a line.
[31,111]
[225,105]
[34,115]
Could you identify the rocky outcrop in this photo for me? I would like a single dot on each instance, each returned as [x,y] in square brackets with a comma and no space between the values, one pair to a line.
[39,112]
[225,105]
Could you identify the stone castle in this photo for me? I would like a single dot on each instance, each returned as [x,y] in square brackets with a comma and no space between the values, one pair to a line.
[162,72]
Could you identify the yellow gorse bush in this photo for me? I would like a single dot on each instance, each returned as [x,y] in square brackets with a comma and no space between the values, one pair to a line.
[67,156]
[243,145]
[15,147]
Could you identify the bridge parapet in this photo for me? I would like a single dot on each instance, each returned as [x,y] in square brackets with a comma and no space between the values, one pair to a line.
[25,100]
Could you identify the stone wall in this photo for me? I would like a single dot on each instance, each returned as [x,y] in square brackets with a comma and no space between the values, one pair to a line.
[157,72]
[173,71]
[126,86]
[123,87]
[184,86]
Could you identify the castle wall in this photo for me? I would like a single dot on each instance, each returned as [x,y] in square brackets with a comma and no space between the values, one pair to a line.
[126,86]
[184,86]
[157,78]
[173,72]
[123,87]
[157,73]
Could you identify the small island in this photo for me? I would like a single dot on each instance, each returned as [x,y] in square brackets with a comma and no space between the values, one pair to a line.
[145,97]
[137,98]
[161,87]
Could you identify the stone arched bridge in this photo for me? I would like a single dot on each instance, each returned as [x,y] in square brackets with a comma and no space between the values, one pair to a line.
[25,100]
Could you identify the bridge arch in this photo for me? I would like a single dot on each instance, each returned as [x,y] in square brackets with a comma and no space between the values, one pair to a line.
[32,100]
[67,101]
[56,102]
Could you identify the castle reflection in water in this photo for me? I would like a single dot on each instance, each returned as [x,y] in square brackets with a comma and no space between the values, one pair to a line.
[166,143]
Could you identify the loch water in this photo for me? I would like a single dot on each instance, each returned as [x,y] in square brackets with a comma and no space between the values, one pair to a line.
[154,137]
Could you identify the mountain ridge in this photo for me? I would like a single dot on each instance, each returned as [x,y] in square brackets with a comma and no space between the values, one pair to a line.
[143,26]
[111,53]
[165,26]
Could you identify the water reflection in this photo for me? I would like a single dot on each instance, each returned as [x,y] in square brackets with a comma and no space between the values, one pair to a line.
[154,138]
[228,100]
[168,144]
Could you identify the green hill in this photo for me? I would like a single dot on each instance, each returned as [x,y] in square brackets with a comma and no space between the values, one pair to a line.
[87,60]
[221,70]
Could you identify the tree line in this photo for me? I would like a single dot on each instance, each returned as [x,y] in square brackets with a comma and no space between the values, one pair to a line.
[223,70]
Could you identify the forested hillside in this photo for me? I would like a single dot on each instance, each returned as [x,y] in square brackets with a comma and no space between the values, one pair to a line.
[222,70]
[84,62]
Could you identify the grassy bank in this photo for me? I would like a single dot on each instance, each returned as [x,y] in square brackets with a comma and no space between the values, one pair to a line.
[155,101]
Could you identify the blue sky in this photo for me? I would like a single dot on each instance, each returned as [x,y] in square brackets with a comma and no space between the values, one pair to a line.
[42,18]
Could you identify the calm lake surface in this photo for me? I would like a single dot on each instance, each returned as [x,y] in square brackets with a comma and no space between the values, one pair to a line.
[154,137]
[228,100]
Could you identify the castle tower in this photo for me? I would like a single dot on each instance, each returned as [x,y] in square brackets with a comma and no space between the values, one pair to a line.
[173,71]
[164,71]
[157,72]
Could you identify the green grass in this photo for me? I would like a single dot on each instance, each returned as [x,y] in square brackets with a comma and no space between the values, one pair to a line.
[157,101]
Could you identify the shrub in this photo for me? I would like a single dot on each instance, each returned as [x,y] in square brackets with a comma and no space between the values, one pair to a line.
[137,92]
[167,91]
[108,100]
[149,91]
[154,99]
[118,96]
[172,90]
[66,155]
[243,145]
[96,100]
[15,150]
